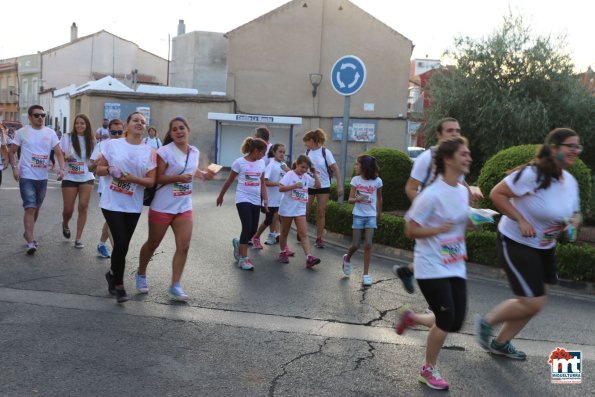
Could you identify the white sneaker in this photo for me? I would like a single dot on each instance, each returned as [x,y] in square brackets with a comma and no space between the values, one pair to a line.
[141,283]
[346,266]
[367,281]
[246,264]
[271,239]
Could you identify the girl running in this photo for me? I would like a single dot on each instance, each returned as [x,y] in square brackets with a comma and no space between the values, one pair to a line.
[437,220]
[294,186]
[250,191]
[177,165]
[536,200]
[366,194]
[274,172]
[78,180]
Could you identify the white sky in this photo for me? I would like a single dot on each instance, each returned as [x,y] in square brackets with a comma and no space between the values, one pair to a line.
[37,25]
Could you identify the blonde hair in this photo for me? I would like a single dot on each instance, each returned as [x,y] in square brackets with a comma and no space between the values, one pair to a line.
[317,135]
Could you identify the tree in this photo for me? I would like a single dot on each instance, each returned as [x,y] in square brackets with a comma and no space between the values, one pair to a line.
[509,89]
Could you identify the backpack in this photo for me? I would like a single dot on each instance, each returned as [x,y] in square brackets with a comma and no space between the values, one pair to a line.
[429,178]
[328,169]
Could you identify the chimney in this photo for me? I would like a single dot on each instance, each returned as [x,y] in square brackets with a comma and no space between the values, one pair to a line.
[74,32]
[181,27]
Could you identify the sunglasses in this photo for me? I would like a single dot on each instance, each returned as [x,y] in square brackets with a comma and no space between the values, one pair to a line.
[38,115]
[116,132]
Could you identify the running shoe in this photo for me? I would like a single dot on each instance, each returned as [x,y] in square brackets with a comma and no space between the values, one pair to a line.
[312,261]
[483,332]
[78,244]
[34,241]
[141,283]
[178,293]
[245,264]
[507,350]
[121,295]
[271,239]
[406,277]
[111,285]
[236,248]
[430,376]
[256,243]
[367,281]
[289,252]
[277,237]
[346,266]
[319,243]
[406,320]
[31,248]
[283,257]
[103,250]
[65,231]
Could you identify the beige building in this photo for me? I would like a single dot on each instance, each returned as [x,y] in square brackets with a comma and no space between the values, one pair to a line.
[9,90]
[271,58]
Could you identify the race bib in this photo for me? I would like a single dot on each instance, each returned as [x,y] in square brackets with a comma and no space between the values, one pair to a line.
[550,235]
[300,195]
[453,250]
[39,161]
[76,168]
[182,189]
[127,188]
[252,178]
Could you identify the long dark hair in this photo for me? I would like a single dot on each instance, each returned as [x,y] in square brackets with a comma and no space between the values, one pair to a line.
[368,166]
[88,134]
[167,138]
[251,144]
[547,166]
[447,150]
[274,149]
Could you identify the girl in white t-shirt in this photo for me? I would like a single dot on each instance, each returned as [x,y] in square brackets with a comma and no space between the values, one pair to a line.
[366,194]
[274,172]
[130,167]
[538,201]
[250,193]
[294,186]
[437,220]
[78,180]
[177,165]
[153,140]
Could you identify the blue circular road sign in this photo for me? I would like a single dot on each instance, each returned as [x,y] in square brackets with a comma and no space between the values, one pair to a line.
[348,75]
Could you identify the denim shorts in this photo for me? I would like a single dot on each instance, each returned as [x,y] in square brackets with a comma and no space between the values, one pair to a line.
[364,222]
[32,192]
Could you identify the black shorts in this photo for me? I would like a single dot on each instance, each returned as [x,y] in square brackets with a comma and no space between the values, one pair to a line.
[66,183]
[447,297]
[322,190]
[527,268]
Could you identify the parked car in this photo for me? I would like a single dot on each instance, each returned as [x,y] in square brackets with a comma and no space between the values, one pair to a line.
[15,125]
[414,151]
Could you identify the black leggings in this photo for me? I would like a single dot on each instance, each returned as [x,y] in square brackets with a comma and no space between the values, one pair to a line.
[249,214]
[268,220]
[447,298]
[122,225]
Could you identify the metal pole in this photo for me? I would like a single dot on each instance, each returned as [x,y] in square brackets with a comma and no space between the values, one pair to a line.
[346,107]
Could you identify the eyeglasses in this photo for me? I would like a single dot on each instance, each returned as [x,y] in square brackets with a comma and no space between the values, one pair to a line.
[116,132]
[38,115]
[573,146]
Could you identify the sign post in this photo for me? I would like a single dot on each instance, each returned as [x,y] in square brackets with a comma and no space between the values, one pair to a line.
[348,75]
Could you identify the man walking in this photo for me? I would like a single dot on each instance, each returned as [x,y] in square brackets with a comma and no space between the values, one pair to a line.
[35,141]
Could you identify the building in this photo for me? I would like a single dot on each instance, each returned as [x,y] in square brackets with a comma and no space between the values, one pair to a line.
[29,79]
[9,90]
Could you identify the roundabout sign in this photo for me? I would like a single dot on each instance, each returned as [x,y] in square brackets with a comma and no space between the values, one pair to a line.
[348,75]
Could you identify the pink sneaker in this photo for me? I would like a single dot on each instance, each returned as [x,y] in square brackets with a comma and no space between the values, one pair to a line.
[256,243]
[432,378]
[406,320]
[312,261]
[283,258]
[289,252]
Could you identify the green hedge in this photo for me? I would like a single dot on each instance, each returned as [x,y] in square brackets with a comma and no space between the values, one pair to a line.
[575,261]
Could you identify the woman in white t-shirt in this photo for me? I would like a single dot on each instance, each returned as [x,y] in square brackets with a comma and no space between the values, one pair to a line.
[250,193]
[324,162]
[130,167]
[274,171]
[295,186]
[538,201]
[177,165]
[78,180]
[153,140]
[437,220]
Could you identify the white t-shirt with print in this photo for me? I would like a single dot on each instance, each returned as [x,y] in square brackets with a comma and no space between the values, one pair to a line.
[103,133]
[274,172]
[76,169]
[35,151]
[176,198]
[320,165]
[545,209]
[137,160]
[294,201]
[422,164]
[442,255]
[368,189]
[249,174]
[94,156]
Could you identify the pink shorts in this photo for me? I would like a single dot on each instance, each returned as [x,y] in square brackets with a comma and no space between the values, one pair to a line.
[164,218]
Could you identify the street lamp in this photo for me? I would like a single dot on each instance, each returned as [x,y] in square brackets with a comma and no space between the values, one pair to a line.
[315,79]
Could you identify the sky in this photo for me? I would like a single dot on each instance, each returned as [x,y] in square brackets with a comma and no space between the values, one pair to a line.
[432,25]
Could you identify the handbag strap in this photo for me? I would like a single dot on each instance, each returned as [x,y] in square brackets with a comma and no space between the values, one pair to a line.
[183,169]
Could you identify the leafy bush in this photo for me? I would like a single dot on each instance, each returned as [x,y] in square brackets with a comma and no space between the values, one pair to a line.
[576,262]
[494,170]
[395,167]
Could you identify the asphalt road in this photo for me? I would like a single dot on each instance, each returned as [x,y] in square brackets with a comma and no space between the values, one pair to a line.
[281,330]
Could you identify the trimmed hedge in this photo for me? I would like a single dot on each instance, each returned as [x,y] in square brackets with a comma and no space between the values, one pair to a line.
[575,261]
[494,170]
